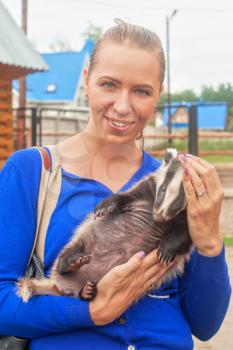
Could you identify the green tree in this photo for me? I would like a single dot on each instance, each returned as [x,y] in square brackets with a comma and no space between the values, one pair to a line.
[184,96]
[92,32]
[224,92]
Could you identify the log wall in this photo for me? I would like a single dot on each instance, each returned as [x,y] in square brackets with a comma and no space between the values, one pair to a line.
[6,121]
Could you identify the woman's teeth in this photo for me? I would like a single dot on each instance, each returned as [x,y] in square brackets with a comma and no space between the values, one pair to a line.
[119,124]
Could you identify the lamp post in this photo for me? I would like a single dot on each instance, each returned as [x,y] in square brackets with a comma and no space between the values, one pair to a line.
[22,86]
[168,20]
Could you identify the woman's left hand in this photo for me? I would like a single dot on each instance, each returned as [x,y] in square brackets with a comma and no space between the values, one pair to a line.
[204,195]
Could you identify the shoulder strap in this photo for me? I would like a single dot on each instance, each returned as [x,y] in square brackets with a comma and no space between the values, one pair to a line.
[50,187]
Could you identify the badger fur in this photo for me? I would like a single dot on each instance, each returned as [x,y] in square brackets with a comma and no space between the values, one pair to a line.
[150,215]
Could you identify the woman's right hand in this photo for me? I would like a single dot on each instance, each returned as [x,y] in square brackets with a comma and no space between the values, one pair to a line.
[125,284]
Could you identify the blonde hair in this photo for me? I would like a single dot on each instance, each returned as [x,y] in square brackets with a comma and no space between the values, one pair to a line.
[137,36]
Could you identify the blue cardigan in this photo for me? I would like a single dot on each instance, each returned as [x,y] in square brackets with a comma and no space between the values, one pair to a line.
[195,304]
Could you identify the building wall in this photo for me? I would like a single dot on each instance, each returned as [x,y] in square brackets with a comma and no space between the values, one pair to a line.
[6,120]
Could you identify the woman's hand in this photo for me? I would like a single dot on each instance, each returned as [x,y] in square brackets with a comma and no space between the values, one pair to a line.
[204,195]
[124,284]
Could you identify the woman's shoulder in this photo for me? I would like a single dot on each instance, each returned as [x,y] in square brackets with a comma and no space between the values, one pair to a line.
[25,157]
[26,162]
[21,174]
[152,163]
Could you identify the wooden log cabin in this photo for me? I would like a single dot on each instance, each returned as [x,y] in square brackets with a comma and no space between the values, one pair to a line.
[17,58]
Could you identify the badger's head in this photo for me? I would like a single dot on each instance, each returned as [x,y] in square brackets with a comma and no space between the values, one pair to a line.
[170,195]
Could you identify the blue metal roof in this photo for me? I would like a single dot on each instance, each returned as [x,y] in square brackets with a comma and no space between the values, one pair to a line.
[211,115]
[60,82]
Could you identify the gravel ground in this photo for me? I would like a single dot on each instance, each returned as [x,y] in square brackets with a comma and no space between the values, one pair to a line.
[226,218]
[223,340]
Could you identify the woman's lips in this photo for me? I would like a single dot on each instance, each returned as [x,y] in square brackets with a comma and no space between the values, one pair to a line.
[119,125]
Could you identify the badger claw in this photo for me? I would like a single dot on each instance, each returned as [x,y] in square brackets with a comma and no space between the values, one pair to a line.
[101,211]
[69,265]
[164,258]
[88,292]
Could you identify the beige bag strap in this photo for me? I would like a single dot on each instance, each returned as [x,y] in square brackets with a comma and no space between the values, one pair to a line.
[50,187]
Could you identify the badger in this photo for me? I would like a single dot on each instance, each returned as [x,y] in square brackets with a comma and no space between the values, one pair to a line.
[152,214]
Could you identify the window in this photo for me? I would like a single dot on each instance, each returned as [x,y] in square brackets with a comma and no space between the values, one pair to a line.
[51,88]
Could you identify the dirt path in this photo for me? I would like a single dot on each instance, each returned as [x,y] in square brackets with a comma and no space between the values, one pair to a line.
[223,340]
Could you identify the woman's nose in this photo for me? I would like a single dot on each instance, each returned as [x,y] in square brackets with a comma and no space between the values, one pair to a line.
[122,104]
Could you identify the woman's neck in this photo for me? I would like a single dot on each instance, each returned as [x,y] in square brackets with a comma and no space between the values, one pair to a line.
[91,157]
[97,145]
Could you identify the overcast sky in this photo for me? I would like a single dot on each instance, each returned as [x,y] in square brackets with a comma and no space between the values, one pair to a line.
[201,33]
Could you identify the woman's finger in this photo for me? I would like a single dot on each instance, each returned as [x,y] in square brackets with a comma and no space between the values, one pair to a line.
[157,270]
[201,191]
[155,279]
[207,173]
[205,180]
[137,260]
[131,265]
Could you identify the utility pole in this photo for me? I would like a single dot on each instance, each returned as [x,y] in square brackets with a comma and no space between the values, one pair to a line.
[168,20]
[22,86]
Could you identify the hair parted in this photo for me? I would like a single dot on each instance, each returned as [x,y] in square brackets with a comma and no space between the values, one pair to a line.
[137,36]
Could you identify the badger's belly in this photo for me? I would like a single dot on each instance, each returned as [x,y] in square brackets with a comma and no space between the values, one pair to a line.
[111,240]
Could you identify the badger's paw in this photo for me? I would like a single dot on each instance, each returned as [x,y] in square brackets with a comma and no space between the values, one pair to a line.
[68,264]
[105,208]
[165,253]
[88,292]
[110,205]
[115,204]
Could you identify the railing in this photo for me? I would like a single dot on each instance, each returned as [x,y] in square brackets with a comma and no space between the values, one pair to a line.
[49,125]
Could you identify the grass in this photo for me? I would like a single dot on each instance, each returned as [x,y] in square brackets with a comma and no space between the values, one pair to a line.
[205,145]
[219,159]
[228,241]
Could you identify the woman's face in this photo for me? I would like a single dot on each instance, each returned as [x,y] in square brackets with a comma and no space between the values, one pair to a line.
[123,89]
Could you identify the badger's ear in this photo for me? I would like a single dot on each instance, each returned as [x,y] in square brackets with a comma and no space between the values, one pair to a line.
[169,155]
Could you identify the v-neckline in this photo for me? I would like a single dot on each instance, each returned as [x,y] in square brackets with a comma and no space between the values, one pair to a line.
[136,176]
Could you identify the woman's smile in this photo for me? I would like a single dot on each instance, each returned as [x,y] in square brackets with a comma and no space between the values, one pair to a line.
[119,124]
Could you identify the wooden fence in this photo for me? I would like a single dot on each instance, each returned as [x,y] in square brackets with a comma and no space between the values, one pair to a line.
[211,135]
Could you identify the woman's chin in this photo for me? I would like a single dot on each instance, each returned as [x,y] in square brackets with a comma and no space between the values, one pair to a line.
[118,139]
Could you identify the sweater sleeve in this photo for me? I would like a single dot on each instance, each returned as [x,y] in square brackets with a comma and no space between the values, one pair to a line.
[205,294]
[42,315]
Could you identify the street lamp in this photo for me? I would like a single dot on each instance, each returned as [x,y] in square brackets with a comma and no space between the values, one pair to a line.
[168,20]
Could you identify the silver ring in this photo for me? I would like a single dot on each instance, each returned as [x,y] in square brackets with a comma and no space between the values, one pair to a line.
[200,194]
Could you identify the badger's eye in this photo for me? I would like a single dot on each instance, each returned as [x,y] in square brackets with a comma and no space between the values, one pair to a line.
[163,189]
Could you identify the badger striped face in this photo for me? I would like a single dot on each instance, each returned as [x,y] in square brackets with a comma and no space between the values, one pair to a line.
[170,195]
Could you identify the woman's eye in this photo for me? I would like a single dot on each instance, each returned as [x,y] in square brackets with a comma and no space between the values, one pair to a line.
[108,85]
[142,92]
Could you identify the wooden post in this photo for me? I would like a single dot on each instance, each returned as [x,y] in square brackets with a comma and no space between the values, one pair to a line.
[193,131]
[34,126]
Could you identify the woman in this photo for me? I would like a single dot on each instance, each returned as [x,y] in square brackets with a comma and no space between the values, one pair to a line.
[123,85]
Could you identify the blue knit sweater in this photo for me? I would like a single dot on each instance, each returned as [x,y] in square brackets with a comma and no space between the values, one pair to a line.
[163,320]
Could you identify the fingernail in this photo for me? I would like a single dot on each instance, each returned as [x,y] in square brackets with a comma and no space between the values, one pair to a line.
[186,172]
[141,254]
[182,157]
